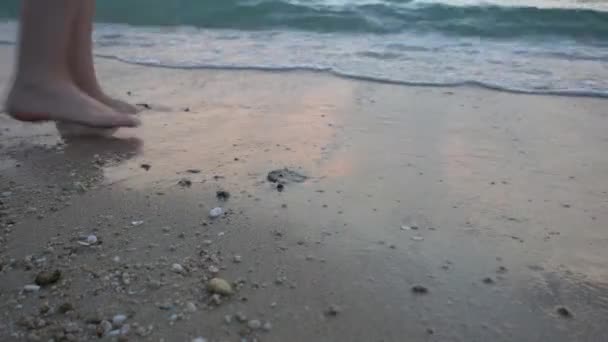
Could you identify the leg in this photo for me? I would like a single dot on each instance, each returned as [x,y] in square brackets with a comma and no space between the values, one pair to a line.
[43,88]
[82,67]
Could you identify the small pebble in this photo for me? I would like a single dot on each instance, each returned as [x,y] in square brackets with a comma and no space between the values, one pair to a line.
[417,238]
[190,307]
[419,289]
[333,310]
[91,239]
[177,268]
[222,195]
[254,324]
[220,286]
[267,326]
[216,212]
[213,269]
[118,320]
[31,288]
[137,223]
[47,278]
[199,339]
[488,280]
[185,182]
[241,317]
[104,328]
[564,312]
[237,259]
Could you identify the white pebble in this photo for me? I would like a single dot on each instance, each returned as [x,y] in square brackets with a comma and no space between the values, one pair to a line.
[31,288]
[406,228]
[177,268]
[116,259]
[190,307]
[214,269]
[199,339]
[267,326]
[137,223]
[254,324]
[216,212]
[417,238]
[237,259]
[91,239]
[119,319]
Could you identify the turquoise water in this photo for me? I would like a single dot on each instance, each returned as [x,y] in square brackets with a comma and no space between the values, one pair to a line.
[537,46]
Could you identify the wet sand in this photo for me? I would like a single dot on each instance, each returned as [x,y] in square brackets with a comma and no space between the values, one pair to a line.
[496,203]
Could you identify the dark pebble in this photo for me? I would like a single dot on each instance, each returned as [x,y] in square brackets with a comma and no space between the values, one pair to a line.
[146,166]
[222,195]
[65,307]
[488,280]
[564,312]
[45,278]
[280,187]
[419,289]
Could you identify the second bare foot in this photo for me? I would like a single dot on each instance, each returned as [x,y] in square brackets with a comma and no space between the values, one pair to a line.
[64,102]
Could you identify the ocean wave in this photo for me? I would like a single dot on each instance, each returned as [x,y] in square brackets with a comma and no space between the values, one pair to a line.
[366,78]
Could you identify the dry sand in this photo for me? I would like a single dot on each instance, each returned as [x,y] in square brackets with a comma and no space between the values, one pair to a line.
[512,188]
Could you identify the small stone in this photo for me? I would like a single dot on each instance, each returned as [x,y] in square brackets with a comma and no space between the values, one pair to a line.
[417,238]
[333,310]
[199,339]
[31,288]
[146,166]
[118,320]
[227,319]
[220,286]
[419,289]
[267,326]
[216,299]
[125,329]
[65,307]
[213,269]
[488,280]
[92,239]
[392,246]
[185,183]
[47,278]
[254,324]
[237,259]
[241,317]
[137,223]
[280,187]
[216,212]
[564,312]
[222,195]
[190,307]
[104,328]
[177,268]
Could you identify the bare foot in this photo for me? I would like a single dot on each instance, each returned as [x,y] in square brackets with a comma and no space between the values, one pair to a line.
[116,104]
[62,101]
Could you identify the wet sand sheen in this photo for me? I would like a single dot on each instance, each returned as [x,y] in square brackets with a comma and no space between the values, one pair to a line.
[508,194]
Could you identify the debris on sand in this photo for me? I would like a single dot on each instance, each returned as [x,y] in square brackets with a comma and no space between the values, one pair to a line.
[137,223]
[146,166]
[185,183]
[284,176]
[193,171]
[31,288]
[564,312]
[222,195]
[220,286]
[45,278]
[216,212]
[488,280]
[254,324]
[333,310]
[419,289]
[177,268]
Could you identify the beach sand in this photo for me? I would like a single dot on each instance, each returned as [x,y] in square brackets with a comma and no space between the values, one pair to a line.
[508,192]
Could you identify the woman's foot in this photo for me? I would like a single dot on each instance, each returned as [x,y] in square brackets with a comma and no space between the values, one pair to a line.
[116,104]
[63,102]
